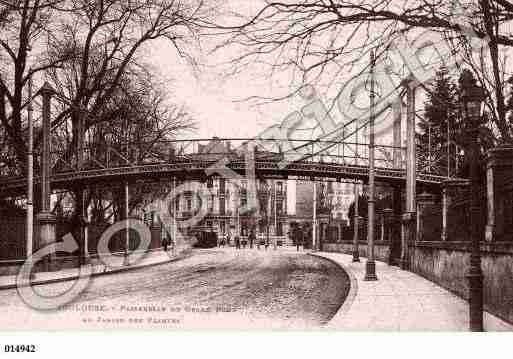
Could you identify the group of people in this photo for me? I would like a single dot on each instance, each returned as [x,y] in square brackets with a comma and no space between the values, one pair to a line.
[297,237]
[166,241]
[242,243]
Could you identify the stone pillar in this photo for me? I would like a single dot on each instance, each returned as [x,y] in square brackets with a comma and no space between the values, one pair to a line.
[490,232]
[407,236]
[323,232]
[499,168]
[388,214]
[450,189]
[388,217]
[46,219]
[424,201]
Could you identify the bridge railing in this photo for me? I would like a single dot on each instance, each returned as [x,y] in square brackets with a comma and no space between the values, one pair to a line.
[105,155]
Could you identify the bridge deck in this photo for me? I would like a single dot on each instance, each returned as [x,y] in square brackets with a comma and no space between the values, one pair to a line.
[196,170]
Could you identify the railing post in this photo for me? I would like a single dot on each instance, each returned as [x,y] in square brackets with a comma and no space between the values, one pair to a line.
[424,200]
[388,214]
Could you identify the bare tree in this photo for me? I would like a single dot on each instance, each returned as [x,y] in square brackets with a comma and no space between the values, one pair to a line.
[86,48]
[322,40]
[23,27]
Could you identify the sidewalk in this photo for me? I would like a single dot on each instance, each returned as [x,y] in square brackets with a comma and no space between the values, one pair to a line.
[400,301]
[151,258]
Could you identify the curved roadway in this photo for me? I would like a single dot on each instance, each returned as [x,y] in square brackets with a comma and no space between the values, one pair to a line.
[214,288]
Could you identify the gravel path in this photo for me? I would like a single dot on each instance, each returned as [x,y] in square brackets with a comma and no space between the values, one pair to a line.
[215,288]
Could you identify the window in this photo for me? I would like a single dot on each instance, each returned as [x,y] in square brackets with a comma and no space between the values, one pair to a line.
[279,229]
[211,204]
[279,187]
[262,226]
[177,203]
[222,185]
[279,208]
[222,208]
[189,204]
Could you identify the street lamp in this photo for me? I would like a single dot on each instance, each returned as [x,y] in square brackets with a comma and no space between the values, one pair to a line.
[370,265]
[472,98]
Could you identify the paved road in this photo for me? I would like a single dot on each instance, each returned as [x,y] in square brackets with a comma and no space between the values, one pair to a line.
[216,288]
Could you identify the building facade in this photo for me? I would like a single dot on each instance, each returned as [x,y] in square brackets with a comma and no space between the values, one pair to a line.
[226,206]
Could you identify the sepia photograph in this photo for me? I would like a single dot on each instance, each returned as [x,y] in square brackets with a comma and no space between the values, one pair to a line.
[341,166]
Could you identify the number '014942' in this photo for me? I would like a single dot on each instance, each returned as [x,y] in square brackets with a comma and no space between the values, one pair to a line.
[29,348]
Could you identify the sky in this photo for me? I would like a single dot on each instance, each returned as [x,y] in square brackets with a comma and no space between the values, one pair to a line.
[217,102]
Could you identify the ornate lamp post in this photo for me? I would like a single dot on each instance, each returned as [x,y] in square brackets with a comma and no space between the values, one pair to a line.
[472,98]
[370,265]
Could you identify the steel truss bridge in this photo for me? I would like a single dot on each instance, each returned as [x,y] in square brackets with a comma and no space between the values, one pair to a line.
[193,159]
[328,156]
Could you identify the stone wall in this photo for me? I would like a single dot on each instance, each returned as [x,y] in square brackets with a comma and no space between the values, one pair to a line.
[446,264]
[381,249]
[10,266]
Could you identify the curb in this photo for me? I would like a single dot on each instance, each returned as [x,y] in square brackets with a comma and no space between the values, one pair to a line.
[95,274]
[351,295]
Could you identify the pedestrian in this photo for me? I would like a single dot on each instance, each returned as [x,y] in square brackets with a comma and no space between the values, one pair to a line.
[165,242]
[298,238]
[237,241]
[252,238]
[228,239]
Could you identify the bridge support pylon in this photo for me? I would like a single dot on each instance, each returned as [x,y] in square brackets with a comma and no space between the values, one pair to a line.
[356,223]
[47,220]
[409,217]
[126,260]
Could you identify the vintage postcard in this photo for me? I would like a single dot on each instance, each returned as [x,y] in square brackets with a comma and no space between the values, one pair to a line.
[173,165]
